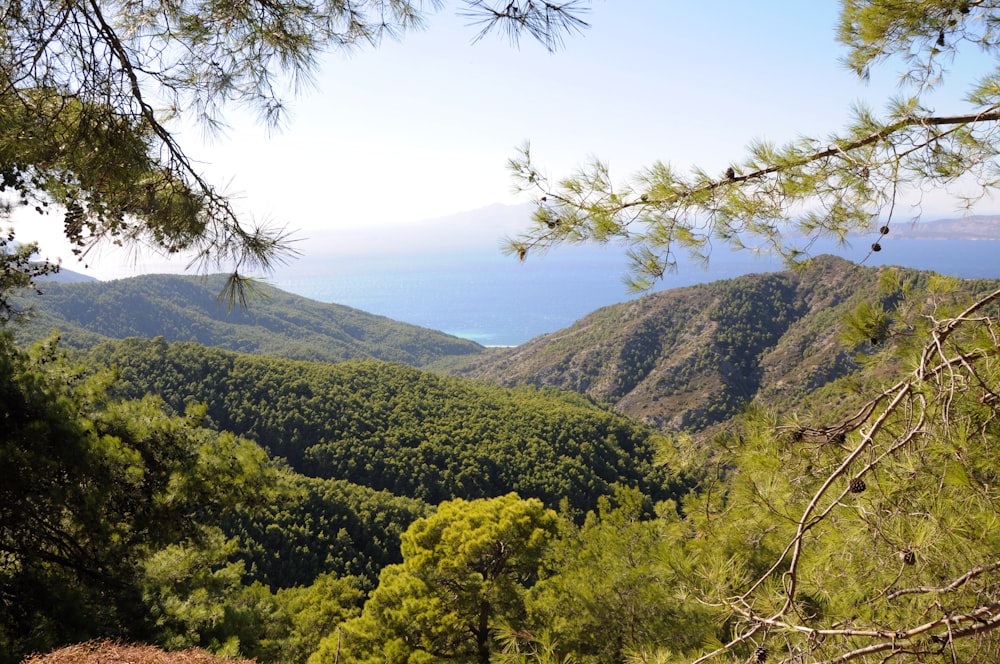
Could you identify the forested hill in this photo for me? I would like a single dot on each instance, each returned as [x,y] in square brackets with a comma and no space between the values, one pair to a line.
[691,357]
[400,429]
[187,308]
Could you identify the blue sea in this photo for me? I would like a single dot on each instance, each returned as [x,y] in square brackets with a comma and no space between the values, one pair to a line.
[496,300]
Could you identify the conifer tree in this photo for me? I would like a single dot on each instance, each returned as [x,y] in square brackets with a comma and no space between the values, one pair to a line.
[464,568]
[94,485]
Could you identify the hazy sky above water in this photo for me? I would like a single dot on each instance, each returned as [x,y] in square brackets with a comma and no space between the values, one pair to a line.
[422,128]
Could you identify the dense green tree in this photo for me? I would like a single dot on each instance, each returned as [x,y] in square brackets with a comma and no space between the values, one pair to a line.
[614,590]
[92,486]
[465,567]
[314,527]
[196,597]
[314,611]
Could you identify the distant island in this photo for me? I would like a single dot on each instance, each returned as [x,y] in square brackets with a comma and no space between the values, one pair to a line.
[65,276]
[972,227]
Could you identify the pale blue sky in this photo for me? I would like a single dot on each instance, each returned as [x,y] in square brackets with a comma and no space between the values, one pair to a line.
[422,128]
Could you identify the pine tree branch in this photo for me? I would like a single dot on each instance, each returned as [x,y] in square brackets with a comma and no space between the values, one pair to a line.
[849,181]
[812,515]
[149,115]
[944,329]
[985,619]
[545,21]
[954,585]
[808,519]
[989,115]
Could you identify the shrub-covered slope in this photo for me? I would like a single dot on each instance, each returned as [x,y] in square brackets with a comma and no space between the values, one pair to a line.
[187,308]
[691,357]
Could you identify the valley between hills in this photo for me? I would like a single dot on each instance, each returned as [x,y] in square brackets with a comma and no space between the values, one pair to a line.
[682,359]
[282,482]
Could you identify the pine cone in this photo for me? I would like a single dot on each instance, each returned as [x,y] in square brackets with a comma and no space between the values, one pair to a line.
[760,655]
[857,485]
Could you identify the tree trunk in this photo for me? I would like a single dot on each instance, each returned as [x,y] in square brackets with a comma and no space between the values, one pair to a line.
[483,634]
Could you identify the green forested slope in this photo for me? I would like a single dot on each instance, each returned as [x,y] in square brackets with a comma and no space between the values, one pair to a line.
[691,357]
[92,486]
[187,308]
[395,428]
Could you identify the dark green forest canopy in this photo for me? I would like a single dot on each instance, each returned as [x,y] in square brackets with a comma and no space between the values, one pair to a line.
[315,527]
[391,427]
[187,308]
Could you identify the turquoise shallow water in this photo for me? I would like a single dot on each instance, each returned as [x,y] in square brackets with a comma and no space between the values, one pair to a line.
[495,300]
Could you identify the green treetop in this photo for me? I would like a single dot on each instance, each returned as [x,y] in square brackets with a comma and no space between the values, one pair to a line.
[464,568]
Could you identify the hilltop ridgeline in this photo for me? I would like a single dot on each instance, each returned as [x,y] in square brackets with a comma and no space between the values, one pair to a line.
[187,308]
[680,359]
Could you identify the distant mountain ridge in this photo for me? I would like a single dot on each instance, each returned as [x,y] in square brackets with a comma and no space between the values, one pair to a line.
[186,308]
[972,227]
[66,276]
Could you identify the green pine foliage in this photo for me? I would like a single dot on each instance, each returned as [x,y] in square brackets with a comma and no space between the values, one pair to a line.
[92,485]
[464,567]
[314,612]
[615,588]
[868,534]
[316,527]
[859,524]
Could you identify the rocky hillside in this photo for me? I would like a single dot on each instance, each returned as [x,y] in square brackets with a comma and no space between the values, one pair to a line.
[691,357]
